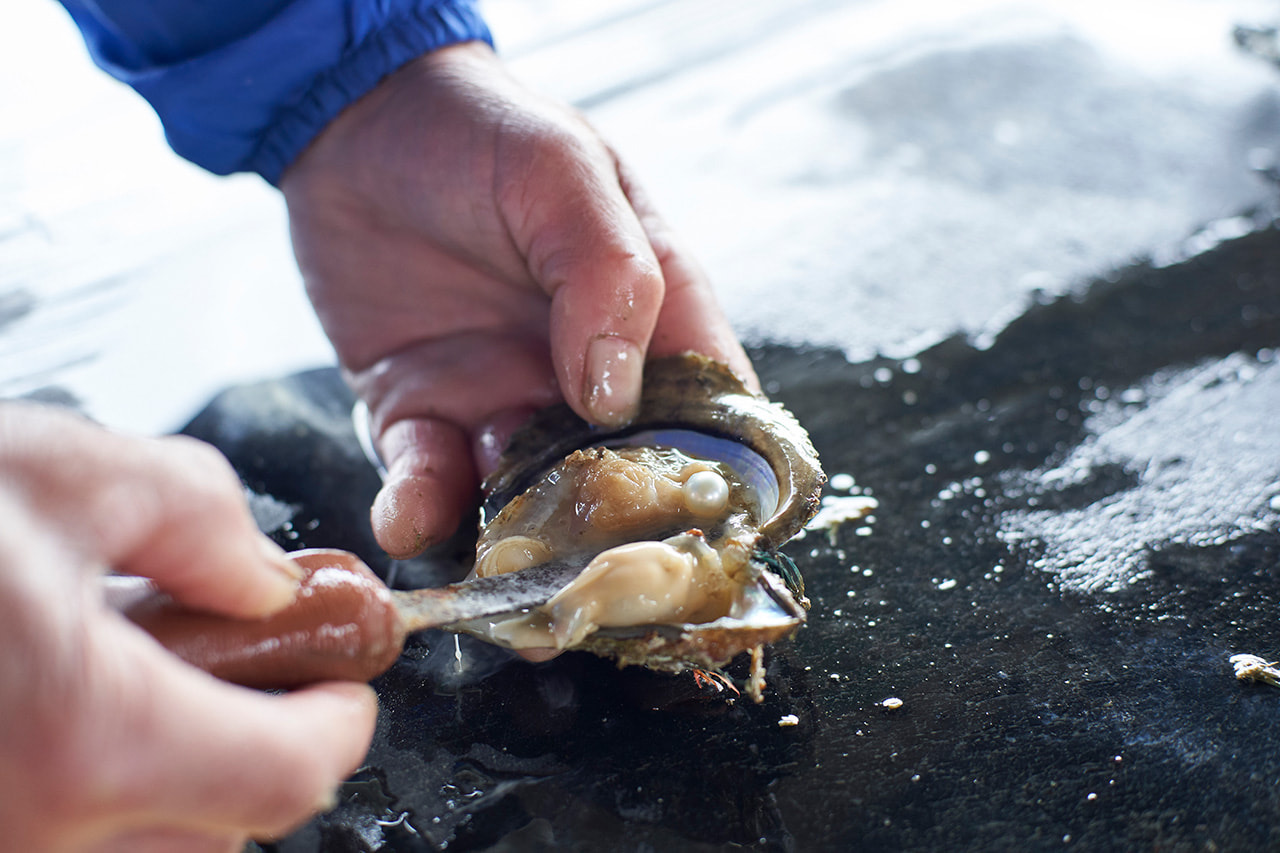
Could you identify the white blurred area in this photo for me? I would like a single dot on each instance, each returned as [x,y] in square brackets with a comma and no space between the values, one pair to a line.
[872,175]
[151,284]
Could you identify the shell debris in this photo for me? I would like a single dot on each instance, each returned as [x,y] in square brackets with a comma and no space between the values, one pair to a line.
[755,680]
[788,720]
[1254,668]
[837,510]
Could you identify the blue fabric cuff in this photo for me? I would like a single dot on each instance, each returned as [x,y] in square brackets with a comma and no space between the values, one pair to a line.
[253,104]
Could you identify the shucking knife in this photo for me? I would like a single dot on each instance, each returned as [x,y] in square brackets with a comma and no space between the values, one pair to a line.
[344,624]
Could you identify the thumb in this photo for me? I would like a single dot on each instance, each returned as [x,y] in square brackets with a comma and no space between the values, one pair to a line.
[587,249]
[266,762]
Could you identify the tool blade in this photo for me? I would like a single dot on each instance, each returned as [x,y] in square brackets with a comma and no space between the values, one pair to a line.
[472,599]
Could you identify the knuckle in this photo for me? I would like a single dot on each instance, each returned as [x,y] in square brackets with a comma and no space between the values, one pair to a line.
[567,145]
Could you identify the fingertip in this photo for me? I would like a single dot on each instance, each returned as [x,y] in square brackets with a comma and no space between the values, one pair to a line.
[401,516]
[276,588]
[248,576]
[353,705]
[411,513]
[344,715]
[333,726]
[279,560]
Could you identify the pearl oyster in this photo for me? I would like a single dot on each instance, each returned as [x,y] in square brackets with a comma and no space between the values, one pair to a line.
[677,520]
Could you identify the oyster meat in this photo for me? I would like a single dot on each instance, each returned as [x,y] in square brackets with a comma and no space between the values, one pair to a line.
[677,521]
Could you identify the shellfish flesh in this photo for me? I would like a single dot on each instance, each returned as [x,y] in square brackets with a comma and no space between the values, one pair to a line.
[677,520]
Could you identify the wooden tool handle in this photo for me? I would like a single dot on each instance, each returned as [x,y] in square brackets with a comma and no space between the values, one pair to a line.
[343,625]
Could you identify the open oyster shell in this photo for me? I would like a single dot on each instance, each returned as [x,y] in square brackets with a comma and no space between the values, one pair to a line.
[694,416]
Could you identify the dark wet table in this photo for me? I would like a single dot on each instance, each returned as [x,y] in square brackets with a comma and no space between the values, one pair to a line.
[1016,267]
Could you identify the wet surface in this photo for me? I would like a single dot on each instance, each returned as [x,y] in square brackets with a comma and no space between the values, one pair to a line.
[1073,452]
[1059,567]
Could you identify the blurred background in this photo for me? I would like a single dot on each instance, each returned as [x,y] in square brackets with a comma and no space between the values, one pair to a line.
[910,169]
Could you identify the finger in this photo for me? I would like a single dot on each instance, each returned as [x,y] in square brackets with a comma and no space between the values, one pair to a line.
[266,763]
[198,539]
[539,655]
[461,378]
[170,509]
[435,408]
[691,318]
[490,438]
[170,841]
[430,481]
[385,313]
[588,251]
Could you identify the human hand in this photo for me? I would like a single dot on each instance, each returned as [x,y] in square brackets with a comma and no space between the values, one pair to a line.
[108,741]
[475,251]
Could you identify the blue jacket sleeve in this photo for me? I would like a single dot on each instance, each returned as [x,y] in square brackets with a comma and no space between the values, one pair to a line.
[244,85]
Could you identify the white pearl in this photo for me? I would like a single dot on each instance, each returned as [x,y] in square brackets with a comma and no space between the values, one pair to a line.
[706,493]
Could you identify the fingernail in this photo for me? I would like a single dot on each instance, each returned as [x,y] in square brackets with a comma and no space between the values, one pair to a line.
[279,560]
[614,372]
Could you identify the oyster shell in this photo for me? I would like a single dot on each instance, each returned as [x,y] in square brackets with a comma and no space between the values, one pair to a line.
[677,519]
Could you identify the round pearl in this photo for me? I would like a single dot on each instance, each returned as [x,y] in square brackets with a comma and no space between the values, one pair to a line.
[706,493]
